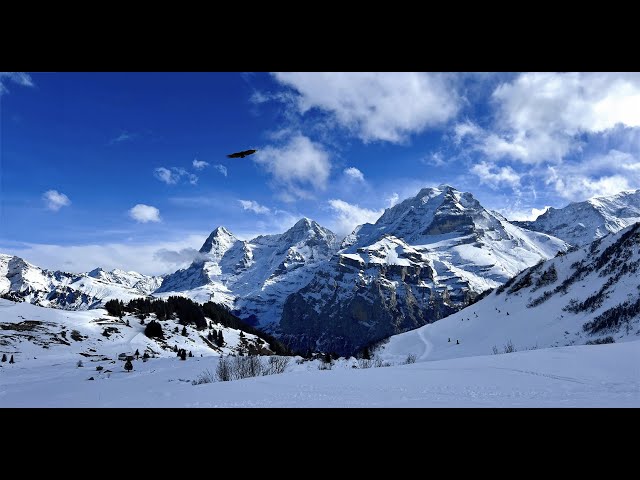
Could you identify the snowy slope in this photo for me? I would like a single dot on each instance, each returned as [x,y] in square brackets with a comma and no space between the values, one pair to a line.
[422,260]
[254,277]
[42,336]
[582,222]
[582,296]
[579,376]
[20,280]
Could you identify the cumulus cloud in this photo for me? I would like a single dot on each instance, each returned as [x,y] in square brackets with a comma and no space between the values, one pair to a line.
[145,213]
[354,173]
[529,215]
[55,200]
[140,257]
[598,175]
[19,78]
[199,164]
[387,106]
[348,216]
[297,165]
[539,117]
[392,199]
[174,175]
[178,257]
[253,206]
[494,176]
[221,168]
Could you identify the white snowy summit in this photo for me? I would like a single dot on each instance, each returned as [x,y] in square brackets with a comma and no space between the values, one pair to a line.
[582,222]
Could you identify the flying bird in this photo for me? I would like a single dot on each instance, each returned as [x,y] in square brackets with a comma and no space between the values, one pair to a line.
[242,154]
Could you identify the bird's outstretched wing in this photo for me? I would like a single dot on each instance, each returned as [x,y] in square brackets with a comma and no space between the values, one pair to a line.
[241,154]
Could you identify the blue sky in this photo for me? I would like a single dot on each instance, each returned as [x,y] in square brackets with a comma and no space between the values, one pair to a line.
[129,170]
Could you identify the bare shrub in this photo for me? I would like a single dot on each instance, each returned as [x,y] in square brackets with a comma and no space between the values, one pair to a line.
[325,366]
[411,358]
[377,362]
[509,347]
[276,365]
[223,370]
[246,367]
[495,350]
[205,377]
[365,363]
[79,364]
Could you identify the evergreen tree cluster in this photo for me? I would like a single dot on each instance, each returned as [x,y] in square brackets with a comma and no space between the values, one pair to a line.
[115,308]
[189,312]
[215,337]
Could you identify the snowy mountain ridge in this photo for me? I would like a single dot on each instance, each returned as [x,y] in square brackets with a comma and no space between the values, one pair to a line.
[582,222]
[22,281]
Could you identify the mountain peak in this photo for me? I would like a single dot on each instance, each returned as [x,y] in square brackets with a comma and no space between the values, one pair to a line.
[218,242]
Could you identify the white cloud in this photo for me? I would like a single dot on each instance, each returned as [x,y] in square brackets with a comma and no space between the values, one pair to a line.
[539,117]
[221,168]
[297,164]
[180,257]
[495,176]
[392,199]
[354,173]
[199,164]
[253,206]
[123,137]
[174,175]
[436,159]
[55,200]
[605,174]
[529,215]
[386,106]
[348,216]
[146,258]
[19,78]
[145,213]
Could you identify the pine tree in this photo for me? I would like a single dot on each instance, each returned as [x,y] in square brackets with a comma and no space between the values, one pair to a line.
[365,354]
[176,329]
[183,355]
[190,354]
[137,354]
[128,366]
[11,361]
[4,357]
[175,348]
[241,334]
[146,355]
[220,339]
[184,331]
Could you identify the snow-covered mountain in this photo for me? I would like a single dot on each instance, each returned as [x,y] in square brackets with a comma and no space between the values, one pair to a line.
[588,295]
[579,223]
[422,260]
[20,280]
[254,277]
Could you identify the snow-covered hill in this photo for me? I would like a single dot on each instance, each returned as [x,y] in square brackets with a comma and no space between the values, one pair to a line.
[42,336]
[254,277]
[586,295]
[20,280]
[422,260]
[582,222]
